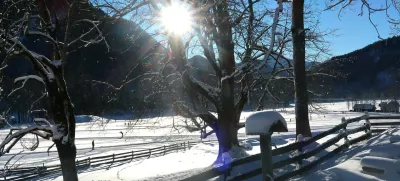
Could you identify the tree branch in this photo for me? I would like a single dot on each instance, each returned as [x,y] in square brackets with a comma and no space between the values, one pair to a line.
[207,91]
[21,133]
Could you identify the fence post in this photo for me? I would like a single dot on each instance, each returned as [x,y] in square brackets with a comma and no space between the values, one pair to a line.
[300,139]
[149,153]
[89,161]
[188,145]
[368,131]
[5,172]
[38,171]
[113,157]
[346,139]
[164,149]
[266,156]
[132,154]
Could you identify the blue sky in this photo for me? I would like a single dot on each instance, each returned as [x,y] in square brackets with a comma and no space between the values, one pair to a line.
[354,32]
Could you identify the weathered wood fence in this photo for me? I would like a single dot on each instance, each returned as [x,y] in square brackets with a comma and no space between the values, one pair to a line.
[26,173]
[342,131]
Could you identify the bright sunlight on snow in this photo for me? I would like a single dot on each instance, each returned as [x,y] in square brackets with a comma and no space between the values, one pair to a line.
[158,131]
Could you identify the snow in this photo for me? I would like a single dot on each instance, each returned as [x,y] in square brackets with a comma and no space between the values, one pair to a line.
[372,153]
[273,32]
[57,63]
[386,151]
[261,122]
[157,131]
[50,76]
[57,132]
[159,168]
[25,78]
[394,139]
[228,157]
[324,175]
[380,163]
[39,120]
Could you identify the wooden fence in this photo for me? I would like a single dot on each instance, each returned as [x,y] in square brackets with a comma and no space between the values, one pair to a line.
[26,173]
[211,172]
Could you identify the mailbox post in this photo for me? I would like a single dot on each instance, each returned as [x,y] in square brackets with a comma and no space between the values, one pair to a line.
[265,123]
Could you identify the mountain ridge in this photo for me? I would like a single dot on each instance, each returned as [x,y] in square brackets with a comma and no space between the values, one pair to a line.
[373,70]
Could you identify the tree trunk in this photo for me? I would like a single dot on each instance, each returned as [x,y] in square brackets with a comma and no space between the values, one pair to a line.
[227,122]
[63,114]
[300,83]
[67,154]
[226,132]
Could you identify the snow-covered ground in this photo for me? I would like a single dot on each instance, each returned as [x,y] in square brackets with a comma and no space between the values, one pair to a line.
[382,152]
[154,132]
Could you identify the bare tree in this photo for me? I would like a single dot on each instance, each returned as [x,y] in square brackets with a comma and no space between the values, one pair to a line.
[297,15]
[225,33]
[219,36]
[391,8]
[299,66]
[36,19]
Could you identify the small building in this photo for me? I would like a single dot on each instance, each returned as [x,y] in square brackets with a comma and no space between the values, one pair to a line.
[364,107]
[392,106]
[41,113]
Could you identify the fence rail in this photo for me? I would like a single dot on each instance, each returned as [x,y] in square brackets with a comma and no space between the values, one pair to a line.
[26,173]
[17,174]
[211,172]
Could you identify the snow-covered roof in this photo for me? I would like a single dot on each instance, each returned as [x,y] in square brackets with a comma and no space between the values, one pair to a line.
[265,122]
[391,103]
[38,110]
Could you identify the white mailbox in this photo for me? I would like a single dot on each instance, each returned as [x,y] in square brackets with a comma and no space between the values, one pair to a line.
[264,124]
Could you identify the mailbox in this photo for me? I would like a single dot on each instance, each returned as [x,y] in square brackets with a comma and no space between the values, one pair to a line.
[265,123]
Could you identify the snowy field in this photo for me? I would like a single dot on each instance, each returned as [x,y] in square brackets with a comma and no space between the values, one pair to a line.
[154,132]
[382,153]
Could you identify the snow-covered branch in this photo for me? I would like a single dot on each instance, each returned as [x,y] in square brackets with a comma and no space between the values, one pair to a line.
[207,91]
[273,33]
[209,53]
[28,77]
[25,79]
[267,89]
[265,50]
[41,34]
[42,63]
[99,37]
[41,120]
[126,82]
[320,74]
[12,138]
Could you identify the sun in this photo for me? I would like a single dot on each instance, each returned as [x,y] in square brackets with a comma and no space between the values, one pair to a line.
[176,18]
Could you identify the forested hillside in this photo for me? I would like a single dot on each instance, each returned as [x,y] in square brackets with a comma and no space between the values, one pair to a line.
[372,71]
[128,47]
